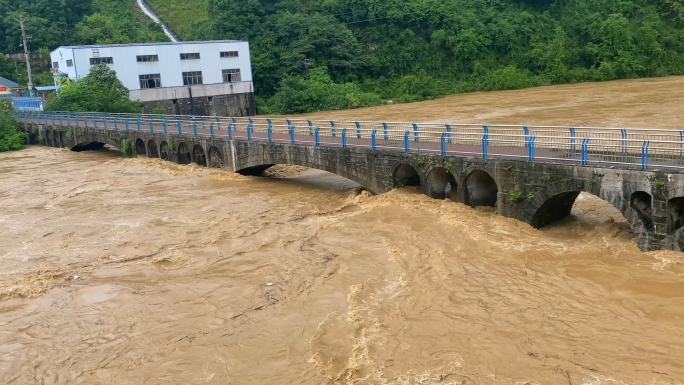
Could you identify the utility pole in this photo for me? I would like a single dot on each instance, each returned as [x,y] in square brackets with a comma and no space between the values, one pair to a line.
[21,21]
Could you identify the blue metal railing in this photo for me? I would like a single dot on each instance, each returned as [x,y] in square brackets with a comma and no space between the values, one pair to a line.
[629,147]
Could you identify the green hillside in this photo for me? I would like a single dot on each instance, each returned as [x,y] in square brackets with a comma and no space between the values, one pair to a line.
[335,54]
[346,53]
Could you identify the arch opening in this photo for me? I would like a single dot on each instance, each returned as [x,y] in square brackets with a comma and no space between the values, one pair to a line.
[199,156]
[481,189]
[163,150]
[555,208]
[441,184]
[92,146]
[215,157]
[406,175]
[641,203]
[183,153]
[140,148]
[675,218]
[152,149]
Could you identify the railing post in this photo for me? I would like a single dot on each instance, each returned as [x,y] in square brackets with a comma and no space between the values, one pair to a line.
[485,142]
[624,140]
[194,128]
[385,131]
[644,154]
[249,133]
[407,147]
[95,121]
[116,124]
[442,142]
[76,117]
[318,136]
[60,120]
[530,148]
[308,122]
[230,131]
[526,130]
[415,132]
[69,119]
[344,138]
[52,117]
[332,127]
[448,128]
[358,130]
[270,130]
[573,141]
[211,129]
[128,120]
[163,124]
[681,142]
[203,122]
[250,126]
[85,121]
[151,125]
[374,144]
[291,128]
[179,124]
[585,151]
[139,124]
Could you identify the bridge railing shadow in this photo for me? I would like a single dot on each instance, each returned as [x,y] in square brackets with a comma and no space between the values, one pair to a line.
[624,147]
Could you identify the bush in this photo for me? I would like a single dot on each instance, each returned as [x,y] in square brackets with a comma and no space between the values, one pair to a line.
[158,111]
[11,138]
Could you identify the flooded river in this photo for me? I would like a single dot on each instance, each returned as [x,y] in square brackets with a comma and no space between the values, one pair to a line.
[138,271]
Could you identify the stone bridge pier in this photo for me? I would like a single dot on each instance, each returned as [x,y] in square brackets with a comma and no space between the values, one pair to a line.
[536,193]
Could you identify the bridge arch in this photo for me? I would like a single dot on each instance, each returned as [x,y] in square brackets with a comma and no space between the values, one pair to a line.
[152,150]
[184,156]
[440,183]
[405,175]
[215,157]
[140,148]
[198,155]
[164,150]
[480,189]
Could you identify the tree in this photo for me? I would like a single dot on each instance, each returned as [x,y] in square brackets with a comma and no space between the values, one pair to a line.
[10,138]
[99,91]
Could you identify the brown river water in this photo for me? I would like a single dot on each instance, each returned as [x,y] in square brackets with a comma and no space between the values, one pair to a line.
[188,275]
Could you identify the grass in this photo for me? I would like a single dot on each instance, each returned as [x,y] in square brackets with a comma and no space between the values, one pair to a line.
[180,14]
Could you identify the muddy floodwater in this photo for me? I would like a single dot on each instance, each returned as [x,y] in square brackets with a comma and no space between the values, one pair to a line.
[139,271]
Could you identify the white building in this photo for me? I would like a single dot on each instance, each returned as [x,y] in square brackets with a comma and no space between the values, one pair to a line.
[185,78]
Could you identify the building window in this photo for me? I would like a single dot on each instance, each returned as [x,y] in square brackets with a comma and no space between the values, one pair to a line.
[190,56]
[98,60]
[193,77]
[96,52]
[142,58]
[230,76]
[70,63]
[150,81]
[55,64]
[230,54]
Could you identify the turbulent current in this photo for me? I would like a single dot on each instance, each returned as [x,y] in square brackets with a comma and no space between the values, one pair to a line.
[138,271]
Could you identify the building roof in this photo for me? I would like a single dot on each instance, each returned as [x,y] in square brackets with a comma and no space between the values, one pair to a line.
[8,83]
[148,44]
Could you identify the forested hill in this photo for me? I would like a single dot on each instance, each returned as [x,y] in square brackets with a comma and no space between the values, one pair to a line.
[312,55]
[405,50]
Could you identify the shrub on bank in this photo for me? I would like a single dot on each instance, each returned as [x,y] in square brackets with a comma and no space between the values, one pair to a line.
[10,137]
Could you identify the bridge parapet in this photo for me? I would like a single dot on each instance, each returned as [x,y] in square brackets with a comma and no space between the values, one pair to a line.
[508,174]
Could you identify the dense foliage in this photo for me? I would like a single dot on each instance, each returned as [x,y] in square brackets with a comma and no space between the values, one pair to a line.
[10,138]
[99,91]
[408,50]
[348,53]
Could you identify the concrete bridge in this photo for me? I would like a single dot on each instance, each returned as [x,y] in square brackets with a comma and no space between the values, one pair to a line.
[533,174]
